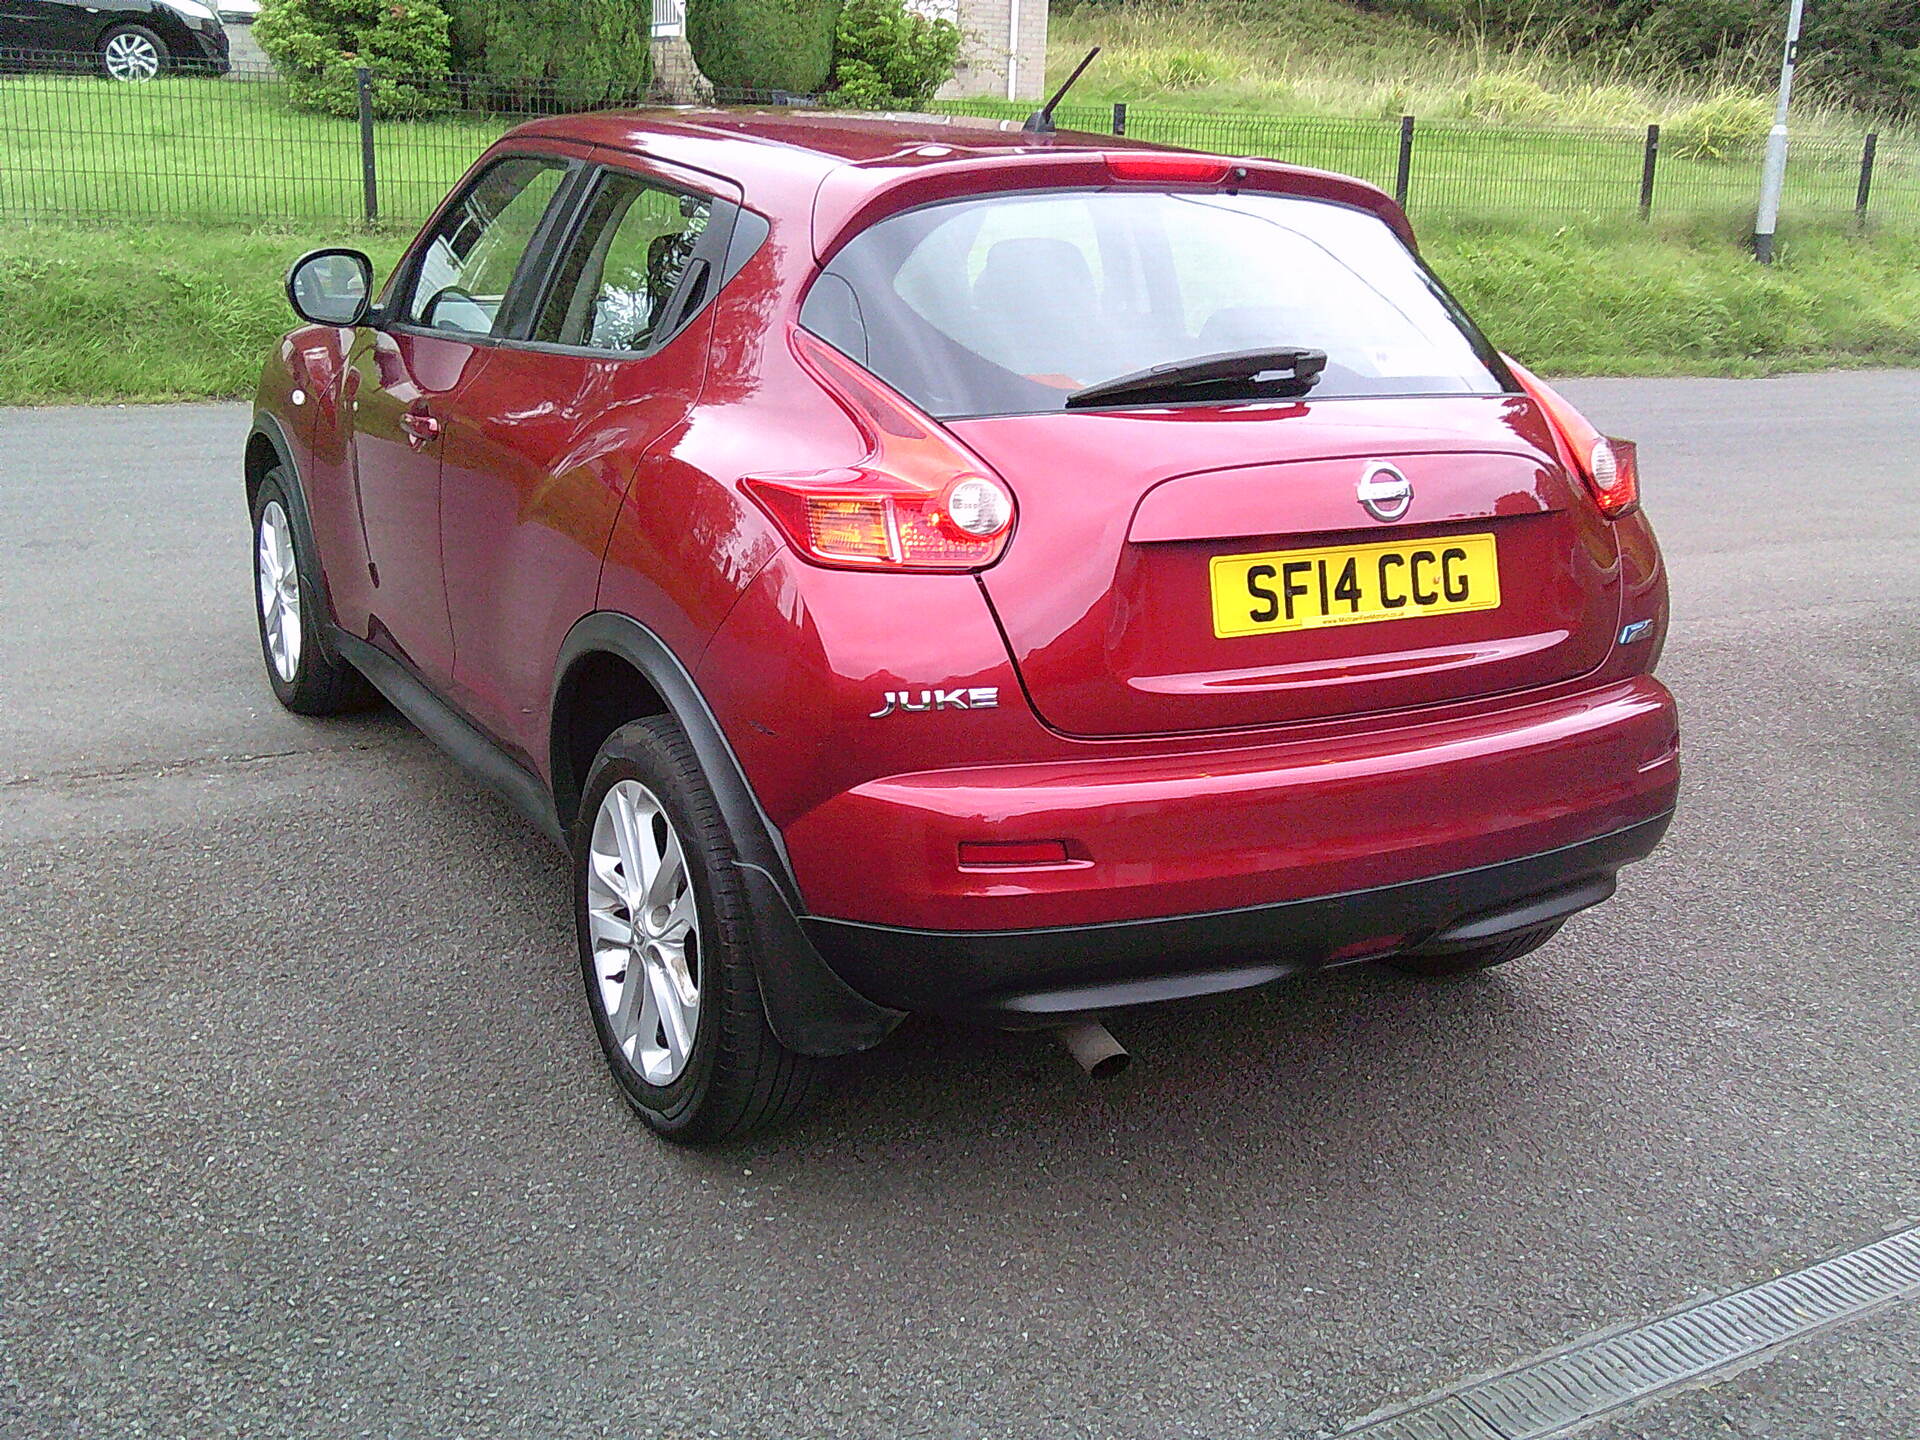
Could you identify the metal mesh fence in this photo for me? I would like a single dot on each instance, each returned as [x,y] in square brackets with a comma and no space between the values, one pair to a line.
[239,150]
[1468,169]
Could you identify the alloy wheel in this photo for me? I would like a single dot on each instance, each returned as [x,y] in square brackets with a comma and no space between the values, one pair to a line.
[132,57]
[279,585]
[645,930]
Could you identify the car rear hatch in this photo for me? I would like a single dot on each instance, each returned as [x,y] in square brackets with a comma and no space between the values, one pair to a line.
[1192,390]
[1127,612]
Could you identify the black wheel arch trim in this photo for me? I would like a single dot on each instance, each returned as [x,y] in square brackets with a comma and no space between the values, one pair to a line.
[811,1009]
[268,427]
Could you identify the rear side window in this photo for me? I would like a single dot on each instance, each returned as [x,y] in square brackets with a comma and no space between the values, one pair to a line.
[474,252]
[615,284]
[1009,304]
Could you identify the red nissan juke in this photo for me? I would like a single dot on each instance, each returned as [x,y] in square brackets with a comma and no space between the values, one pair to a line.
[932,566]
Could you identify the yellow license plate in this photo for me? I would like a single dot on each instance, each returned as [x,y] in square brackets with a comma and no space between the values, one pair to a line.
[1353,584]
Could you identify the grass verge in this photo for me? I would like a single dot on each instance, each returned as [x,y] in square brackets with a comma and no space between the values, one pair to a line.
[1338,57]
[142,313]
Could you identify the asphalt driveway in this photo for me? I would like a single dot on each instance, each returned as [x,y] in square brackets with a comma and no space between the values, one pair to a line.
[303,1130]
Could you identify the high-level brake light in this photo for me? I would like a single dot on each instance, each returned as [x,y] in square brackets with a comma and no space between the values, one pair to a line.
[1167,167]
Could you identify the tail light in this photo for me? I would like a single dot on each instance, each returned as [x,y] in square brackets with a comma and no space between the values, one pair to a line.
[918,501]
[1610,466]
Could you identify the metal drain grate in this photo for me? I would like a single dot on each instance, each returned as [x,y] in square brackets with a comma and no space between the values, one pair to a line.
[1545,1397]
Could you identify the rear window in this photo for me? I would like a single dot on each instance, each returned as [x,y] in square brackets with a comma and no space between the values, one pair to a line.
[1008,304]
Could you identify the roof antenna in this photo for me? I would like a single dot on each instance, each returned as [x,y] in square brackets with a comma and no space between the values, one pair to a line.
[1041,121]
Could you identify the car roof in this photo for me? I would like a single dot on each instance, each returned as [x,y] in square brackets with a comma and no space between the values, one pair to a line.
[793,162]
[785,139]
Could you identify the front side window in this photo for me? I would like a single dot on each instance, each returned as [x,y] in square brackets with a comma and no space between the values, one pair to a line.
[1010,304]
[615,285]
[476,249]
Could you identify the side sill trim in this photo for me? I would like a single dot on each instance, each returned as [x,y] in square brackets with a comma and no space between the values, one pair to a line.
[454,733]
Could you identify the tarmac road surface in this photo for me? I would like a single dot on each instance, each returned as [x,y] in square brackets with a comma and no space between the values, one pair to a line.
[303,1130]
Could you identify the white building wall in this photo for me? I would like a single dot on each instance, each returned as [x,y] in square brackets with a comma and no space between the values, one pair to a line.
[1004,39]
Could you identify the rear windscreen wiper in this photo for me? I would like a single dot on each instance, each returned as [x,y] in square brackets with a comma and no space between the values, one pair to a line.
[1235,374]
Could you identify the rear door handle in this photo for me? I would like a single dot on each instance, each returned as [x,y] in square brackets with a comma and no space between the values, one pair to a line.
[420,428]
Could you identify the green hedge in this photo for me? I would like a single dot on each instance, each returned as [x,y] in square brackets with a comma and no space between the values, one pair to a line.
[319,44]
[555,54]
[764,44]
[887,57]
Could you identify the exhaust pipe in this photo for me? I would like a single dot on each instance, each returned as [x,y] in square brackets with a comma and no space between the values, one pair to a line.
[1093,1045]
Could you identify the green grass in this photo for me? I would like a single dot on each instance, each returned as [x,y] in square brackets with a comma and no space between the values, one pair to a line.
[167,212]
[190,149]
[1627,299]
[143,312]
[128,313]
[205,150]
[1332,57]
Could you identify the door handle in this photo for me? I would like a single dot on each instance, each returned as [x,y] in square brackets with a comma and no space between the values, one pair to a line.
[420,427]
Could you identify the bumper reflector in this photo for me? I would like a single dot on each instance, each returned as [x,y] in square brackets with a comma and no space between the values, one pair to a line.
[1013,852]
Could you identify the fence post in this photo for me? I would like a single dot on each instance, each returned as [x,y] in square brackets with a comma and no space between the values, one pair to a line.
[369,181]
[1646,172]
[1119,117]
[1404,176]
[1866,176]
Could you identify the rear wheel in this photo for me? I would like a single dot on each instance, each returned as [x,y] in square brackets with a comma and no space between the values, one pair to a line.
[666,947]
[1482,957]
[132,53]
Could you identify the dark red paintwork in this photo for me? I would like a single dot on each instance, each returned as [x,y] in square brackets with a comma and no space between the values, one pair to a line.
[1180,773]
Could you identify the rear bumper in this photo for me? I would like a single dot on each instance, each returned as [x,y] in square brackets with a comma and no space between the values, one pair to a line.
[1156,833]
[1038,976]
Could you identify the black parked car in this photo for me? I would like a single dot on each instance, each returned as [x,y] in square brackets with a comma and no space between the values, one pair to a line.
[123,39]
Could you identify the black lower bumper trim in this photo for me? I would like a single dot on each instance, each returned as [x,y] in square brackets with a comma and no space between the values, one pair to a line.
[1034,976]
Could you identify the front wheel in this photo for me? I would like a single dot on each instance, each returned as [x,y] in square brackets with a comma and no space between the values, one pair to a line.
[305,678]
[666,947]
[1481,957]
[132,53]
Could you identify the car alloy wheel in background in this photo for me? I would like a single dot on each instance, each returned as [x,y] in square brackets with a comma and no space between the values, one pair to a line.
[646,932]
[133,54]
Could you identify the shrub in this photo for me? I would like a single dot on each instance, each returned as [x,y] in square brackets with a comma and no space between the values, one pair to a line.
[548,55]
[887,57]
[764,44]
[1494,96]
[318,44]
[1730,126]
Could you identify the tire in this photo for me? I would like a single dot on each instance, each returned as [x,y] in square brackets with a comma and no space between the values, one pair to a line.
[133,54]
[1484,957]
[287,606]
[718,1072]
